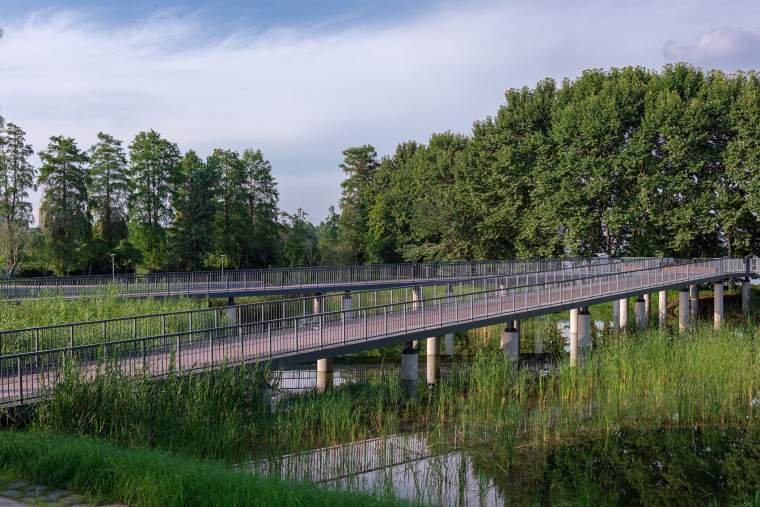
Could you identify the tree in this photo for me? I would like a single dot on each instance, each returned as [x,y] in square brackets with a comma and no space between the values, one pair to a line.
[299,241]
[109,187]
[64,177]
[360,164]
[192,236]
[153,171]
[230,215]
[16,175]
[258,240]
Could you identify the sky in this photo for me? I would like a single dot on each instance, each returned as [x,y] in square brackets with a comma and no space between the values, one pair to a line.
[303,80]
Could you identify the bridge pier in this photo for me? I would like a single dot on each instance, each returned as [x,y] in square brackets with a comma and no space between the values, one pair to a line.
[232,311]
[433,360]
[510,343]
[623,313]
[663,314]
[538,346]
[409,370]
[640,314]
[416,305]
[324,374]
[694,302]
[717,305]
[449,338]
[683,309]
[745,298]
[580,342]
[573,329]
[647,305]
[616,314]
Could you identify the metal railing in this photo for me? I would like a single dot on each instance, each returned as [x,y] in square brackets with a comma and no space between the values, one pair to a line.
[69,335]
[275,281]
[28,375]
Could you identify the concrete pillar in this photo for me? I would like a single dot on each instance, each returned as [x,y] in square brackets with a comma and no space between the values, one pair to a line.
[683,309]
[324,374]
[745,298]
[573,328]
[717,305]
[616,314]
[663,309]
[317,304]
[623,313]
[510,343]
[433,359]
[409,371]
[538,346]
[516,325]
[640,314]
[647,305]
[694,302]
[449,338]
[580,345]
[231,311]
[416,305]
[346,303]
[503,288]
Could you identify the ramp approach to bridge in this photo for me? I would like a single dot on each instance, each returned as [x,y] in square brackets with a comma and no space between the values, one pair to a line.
[324,326]
[259,282]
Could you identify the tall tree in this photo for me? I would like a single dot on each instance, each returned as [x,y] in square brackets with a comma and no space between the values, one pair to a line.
[64,177]
[258,239]
[192,235]
[230,215]
[360,164]
[16,175]
[109,187]
[153,171]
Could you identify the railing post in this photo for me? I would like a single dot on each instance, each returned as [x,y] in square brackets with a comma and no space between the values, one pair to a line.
[321,336]
[179,354]
[143,352]
[366,337]
[20,382]
[343,329]
[269,337]
[295,324]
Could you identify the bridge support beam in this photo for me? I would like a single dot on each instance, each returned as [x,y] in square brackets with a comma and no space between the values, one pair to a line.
[580,342]
[683,309]
[623,313]
[449,338]
[647,305]
[717,305]
[663,314]
[324,374]
[745,298]
[694,302]
[510,343]
[640,313]
[417,298]
[616,314]
[433,360]
[573,329]
[409,370]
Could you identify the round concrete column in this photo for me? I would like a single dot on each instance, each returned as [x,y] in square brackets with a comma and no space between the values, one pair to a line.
[745,298]
[346,303]
[663,314]
[717,305]
[510,343]
[640,313]
[317,303]
[538,346]
[694,303]
[433,360]
[417,305]
[232,311]
[409,371]
[683,309]
[582,343]
[623,313]
[616,314]
[449,338]
[647,305]
[573,329]
[324,374]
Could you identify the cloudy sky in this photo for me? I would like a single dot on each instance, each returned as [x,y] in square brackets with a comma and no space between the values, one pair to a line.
[302,80]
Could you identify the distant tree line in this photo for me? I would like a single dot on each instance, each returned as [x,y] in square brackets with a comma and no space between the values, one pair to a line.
[626,162]
[149,205]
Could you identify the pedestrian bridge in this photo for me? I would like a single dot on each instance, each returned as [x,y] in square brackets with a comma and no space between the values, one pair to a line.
[319,334]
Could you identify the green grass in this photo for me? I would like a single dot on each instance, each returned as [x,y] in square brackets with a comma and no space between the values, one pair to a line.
[154,478]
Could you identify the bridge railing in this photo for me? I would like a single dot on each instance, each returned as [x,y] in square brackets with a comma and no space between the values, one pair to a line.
[28,375]
[91,332]
[220,283]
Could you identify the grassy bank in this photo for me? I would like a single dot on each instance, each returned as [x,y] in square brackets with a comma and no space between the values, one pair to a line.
[154,478]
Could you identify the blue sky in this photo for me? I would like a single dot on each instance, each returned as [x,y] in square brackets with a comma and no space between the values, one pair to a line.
[304,80]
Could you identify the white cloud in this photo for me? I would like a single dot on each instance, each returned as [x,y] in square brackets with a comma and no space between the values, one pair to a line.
[729,48]
[304,95]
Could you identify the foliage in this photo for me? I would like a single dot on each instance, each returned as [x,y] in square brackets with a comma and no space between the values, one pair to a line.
[16,175]
[109,188]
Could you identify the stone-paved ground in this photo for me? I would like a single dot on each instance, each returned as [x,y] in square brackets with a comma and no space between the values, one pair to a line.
[35,494]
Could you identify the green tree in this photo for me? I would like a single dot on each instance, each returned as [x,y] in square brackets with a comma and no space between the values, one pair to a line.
[360,164]
[258,240]
[299,239]
[16,175]
[109,188]
[64,178]
[192,235]
[154,167]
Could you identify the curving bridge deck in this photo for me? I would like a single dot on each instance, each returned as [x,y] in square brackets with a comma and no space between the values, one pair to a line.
[26,376]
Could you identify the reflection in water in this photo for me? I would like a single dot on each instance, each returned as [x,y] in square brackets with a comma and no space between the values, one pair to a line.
[673,467]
